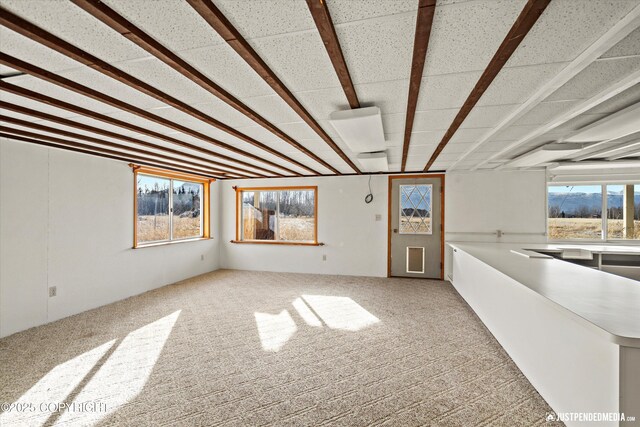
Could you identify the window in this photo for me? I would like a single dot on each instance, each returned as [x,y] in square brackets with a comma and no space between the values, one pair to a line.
[415,209]
[169,207]
[576,212]
[277,215]
[623,211]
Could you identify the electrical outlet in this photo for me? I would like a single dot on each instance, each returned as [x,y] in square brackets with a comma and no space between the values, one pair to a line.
[378,217]
[324,257]
[202,257]
[52,291]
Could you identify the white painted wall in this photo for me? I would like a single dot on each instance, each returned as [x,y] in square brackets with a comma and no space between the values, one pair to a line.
[355,243]
[66,221]
[514,202]
[57,230]
[479,203]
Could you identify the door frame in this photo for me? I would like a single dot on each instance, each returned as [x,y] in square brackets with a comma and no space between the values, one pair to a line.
[389,199]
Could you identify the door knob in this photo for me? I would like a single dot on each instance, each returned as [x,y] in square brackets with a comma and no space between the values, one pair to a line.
[395,230]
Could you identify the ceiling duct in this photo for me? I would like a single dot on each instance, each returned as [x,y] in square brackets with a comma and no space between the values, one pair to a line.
[360,128]
[545,154]
[618,164]
[374,162]
[614,126]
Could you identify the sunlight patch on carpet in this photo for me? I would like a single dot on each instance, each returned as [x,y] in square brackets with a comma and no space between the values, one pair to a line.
[275,329]
[53,388]
[124,374]
[341,313]
[306,313]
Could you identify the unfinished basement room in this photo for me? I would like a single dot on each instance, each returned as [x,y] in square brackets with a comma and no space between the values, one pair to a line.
[320,213]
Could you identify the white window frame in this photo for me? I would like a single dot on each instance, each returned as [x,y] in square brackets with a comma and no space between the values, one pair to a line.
[604,215]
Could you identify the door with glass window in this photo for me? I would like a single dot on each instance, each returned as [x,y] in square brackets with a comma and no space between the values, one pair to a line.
[416,227]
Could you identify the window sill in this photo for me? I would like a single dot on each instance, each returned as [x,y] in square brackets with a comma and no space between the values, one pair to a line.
[596,241]
[615,242]
[276,242]
[174,242]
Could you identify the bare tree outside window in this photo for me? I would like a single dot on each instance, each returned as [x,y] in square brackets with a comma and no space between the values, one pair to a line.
[278,215]
[153,208]
[168,209]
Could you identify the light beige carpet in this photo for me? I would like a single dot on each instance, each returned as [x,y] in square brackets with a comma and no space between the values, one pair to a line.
[251,348]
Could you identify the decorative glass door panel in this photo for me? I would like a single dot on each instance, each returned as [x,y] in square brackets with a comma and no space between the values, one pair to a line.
[415,209]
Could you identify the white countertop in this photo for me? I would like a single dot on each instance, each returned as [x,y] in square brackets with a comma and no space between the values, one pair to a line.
[597,248]
[610,302]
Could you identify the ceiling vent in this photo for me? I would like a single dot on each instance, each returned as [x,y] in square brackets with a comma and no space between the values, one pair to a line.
[545,154]
[360,128]
[374,162]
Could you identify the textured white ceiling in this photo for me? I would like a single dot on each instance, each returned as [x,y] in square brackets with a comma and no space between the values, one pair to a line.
[596,76]
[627,47]
[263,18]
[174,22]
[365,43]
[358,10]
[567,28]
[376,37]
[72,24]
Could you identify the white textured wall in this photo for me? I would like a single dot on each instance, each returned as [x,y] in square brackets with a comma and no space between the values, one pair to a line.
[355,243]
[479,203]
[66,220]
[514,202]
[483,202]
[56,229]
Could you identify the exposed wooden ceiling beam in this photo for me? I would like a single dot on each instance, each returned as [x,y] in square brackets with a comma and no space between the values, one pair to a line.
[322,17]
[17,90]
[166,158]
[117,103]
[94,151]
[216,19]
[525,21]
[92,129]
[424,20]
[127,29]
[41,36]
